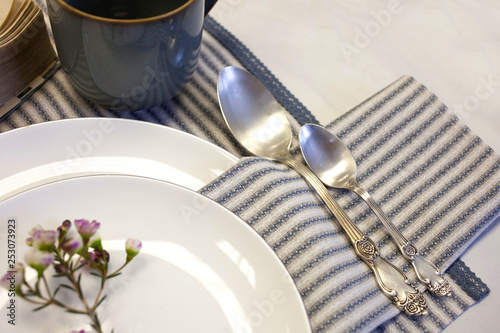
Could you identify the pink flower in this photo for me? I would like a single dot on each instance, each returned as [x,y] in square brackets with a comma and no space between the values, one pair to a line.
[132,247]
[86,229]
[72,245]
[35,229]
[29,240]
[12,280]
[44,240]
[39,260]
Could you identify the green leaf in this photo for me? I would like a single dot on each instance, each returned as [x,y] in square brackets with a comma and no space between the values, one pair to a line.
[58,275]
[58,303]
[100,301]
[75,312]
[67,287]
[79,285]
[97,322]
[41,307]
[79,266]
[56,291]
[114,275]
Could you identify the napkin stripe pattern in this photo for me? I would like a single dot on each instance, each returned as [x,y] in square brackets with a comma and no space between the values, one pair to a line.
[473,156]
[309,260]
[338,290]
[429,146]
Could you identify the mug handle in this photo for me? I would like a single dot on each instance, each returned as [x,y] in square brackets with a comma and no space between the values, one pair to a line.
[208,5]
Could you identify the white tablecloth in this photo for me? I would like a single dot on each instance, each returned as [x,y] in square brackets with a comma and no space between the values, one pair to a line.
[332,55]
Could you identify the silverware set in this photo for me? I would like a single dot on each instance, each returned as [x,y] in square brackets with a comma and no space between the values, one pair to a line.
[259,123]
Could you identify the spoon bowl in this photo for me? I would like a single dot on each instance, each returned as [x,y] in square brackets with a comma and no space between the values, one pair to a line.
[253,115]
[328,157]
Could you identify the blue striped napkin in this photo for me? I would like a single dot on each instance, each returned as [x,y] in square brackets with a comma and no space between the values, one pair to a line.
[437,181]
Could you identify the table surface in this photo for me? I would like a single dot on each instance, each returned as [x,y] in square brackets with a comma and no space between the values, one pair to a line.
[332,55]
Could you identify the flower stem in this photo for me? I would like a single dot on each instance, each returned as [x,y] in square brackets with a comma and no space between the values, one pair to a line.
[118,270]
[89,311]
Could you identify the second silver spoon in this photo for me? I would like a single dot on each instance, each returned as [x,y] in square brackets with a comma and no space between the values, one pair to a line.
[331,160]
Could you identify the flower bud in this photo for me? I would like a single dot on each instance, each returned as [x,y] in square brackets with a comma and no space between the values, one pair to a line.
[12,281]
[39,260]
[97,259]
[63,229]
[132,247]
[44,240]
[66,225]
[60,269]
[72,245]
[29,240]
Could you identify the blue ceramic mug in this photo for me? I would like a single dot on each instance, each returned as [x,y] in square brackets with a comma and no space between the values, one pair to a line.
[128,54]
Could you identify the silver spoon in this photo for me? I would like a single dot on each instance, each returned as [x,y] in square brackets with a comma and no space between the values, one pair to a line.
[331,160]
[260,124]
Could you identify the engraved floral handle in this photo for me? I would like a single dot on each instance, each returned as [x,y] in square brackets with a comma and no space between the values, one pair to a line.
[426,271]
[392,281]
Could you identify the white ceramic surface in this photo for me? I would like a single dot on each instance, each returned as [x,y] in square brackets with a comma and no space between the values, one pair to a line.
[62,149]
[201,268]
[332,55]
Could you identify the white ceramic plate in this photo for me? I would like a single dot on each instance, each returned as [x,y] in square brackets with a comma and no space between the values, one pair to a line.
[63,149]
[201,268]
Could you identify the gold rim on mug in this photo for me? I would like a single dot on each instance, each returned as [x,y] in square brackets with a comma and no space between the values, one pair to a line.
[130,21]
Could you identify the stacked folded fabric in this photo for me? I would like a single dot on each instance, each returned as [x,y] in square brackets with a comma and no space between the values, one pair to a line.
[26,52]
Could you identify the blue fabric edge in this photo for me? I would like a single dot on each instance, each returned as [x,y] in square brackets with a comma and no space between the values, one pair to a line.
[259,70]
[459,271]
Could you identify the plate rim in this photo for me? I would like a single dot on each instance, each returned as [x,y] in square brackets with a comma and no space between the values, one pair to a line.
[93,122]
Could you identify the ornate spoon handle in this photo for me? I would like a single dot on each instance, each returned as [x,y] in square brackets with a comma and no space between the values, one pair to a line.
[391,280]
[426,271]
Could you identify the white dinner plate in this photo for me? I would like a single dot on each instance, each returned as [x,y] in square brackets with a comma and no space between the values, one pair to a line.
[56,150]
[201,269]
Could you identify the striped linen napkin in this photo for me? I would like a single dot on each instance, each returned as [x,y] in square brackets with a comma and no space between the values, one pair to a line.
[435,179]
